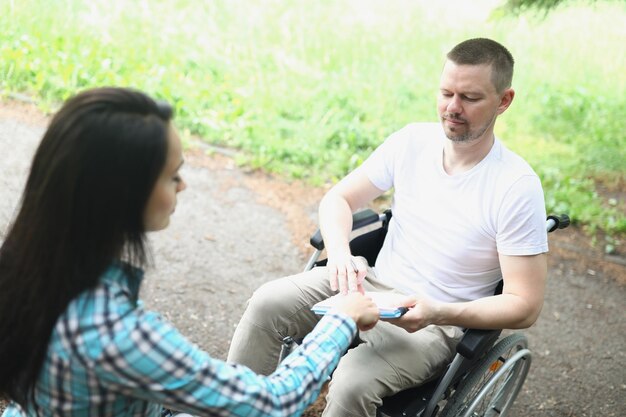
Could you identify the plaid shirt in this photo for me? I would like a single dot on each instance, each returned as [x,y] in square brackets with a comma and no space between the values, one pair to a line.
[109,357]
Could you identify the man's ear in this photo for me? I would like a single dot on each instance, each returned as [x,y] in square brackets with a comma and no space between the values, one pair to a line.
[506,99]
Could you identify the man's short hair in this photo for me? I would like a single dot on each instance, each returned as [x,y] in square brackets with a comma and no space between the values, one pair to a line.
[479,51]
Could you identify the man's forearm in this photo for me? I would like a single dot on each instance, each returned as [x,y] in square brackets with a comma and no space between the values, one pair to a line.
[337,206]
[505,311]
[335,219]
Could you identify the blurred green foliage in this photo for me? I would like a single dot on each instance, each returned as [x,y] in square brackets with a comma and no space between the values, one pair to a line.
[309,88]
[545,6]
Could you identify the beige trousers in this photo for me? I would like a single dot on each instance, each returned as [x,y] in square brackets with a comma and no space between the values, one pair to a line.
[388,359]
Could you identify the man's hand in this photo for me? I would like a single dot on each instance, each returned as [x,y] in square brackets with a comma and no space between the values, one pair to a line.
[421,313]
[346,273]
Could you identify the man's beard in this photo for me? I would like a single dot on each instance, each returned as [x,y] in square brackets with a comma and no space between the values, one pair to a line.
[469,134]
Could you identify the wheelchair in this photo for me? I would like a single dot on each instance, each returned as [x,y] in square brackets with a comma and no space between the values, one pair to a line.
[486,374]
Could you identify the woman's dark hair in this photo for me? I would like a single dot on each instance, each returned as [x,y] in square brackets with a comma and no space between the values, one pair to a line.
[82,208]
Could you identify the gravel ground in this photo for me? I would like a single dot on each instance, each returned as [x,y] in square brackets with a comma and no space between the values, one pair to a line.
[234,230]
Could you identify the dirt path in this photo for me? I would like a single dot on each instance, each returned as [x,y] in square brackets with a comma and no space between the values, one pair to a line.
[234,230]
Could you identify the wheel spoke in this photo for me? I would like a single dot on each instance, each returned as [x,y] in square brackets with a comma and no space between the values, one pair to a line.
[492,385]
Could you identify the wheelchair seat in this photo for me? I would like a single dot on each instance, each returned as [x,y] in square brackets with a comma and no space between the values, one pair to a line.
[486,374]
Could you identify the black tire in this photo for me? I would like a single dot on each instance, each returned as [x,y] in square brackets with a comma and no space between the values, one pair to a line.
[504,369]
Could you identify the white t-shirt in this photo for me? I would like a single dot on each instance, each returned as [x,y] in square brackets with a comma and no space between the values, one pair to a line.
[446,231]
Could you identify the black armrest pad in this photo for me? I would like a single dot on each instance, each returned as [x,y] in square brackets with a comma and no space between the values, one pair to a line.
[475,342]
[360,219]
[364,218]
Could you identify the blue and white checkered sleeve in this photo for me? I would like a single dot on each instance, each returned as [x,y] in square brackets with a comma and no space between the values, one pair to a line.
[142,356]
[300,376]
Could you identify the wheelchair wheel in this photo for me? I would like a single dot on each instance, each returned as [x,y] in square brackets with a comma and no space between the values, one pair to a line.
[491,387]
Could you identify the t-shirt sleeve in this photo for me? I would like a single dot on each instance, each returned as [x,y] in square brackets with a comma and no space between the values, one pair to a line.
[378,166]
[381,165]
[522,219]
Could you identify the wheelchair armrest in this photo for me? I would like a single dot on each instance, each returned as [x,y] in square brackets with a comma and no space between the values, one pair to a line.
[554,222]
[475,342]
[360,219]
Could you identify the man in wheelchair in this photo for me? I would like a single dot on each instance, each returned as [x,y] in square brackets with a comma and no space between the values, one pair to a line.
[467,213]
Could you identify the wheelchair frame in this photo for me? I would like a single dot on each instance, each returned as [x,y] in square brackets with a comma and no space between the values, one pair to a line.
[486,374]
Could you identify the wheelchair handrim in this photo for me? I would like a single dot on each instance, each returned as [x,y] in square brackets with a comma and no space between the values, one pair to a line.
[523,354]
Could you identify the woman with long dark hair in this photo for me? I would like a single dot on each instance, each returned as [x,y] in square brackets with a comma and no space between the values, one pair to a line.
[74,338]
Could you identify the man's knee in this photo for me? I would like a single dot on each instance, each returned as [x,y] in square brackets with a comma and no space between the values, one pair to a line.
[270,299]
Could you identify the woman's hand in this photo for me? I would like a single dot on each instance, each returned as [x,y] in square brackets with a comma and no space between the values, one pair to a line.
[361,308]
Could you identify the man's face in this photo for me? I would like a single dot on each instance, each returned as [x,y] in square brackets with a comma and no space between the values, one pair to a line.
[468,102]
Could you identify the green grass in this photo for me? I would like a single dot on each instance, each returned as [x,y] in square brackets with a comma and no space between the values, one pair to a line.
[309,88]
